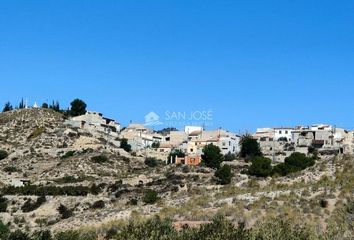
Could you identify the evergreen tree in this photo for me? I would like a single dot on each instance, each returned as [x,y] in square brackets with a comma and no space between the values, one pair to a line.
[212,156]
[78,107]
[22,104]
[249,147]
[45,105]
[55,106]
[8,107]
[224,174]
[261,167]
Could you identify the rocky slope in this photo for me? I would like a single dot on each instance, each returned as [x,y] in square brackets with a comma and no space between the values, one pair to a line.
[60,161]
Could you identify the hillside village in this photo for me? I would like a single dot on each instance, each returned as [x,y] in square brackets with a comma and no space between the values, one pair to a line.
[276,143]
[60,172]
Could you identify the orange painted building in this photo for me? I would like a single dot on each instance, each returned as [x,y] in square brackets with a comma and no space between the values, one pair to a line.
[189,160]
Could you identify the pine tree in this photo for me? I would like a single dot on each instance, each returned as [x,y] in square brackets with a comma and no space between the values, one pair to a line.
[45,105]
[8,107]
[78,107]
[212,156]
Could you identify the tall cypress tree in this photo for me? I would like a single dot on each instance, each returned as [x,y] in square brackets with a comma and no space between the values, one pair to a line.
[21,105]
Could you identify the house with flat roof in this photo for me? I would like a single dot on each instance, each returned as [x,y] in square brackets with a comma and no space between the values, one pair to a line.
[95,121]
[139,136]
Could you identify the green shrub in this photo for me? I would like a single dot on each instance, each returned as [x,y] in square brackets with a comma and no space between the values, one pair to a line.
[150,197]
[68,235]
[3,154]
[99,159]
[151,162]
[229,157]
[133,202]
[3,204]
[155,145]
[42,235]
[29,206]
[68,179]
[10,169]
[350,207]
[294,163]
[65,212]
[19,235]
[4,230]
[68,154]
[29,190]
[224,175]
[260,167]
[324,203]
[125,145]
[98,205]
[299,160]
[154,228]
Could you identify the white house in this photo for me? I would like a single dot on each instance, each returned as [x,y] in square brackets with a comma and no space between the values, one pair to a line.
[228,142]
[139,136]
[283,133]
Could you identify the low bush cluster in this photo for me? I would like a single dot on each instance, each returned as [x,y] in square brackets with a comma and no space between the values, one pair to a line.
[150,197]
[261,166]
[10,169]
[3,154]
[294,163]
[229,157]
[219,228]
[71,179]
[65,212]
[151,162]
[3,204]
[30,206]
[99,159]
[98,205]
[125,145]
[52,190]
[68,154]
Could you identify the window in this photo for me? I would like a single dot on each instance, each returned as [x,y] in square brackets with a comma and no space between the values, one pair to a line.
[191,149]
[229,143]
[279,132]
[286,132]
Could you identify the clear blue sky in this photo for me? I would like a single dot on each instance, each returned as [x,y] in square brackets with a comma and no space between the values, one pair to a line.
[252,63]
